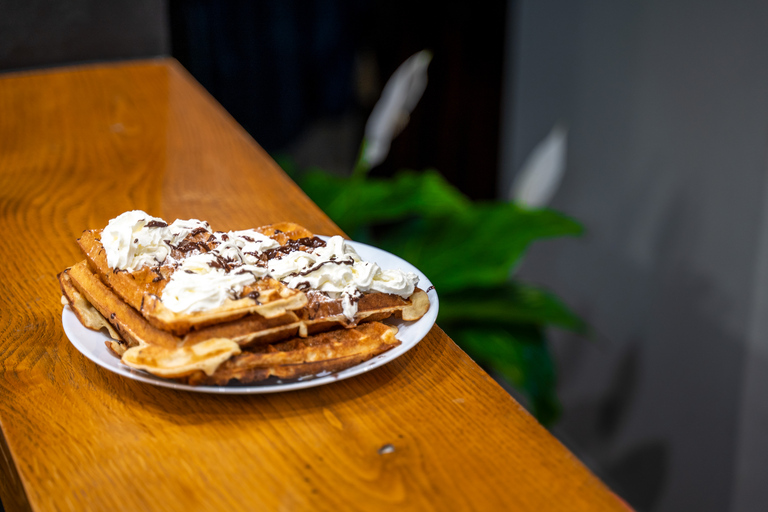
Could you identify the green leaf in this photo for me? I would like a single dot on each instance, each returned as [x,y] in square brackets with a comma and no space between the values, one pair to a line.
[353,202]
[520,356]
[477,247]
[469,251]
[512,303]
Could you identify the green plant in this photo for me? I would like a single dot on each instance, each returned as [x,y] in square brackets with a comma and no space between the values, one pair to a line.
[469,250]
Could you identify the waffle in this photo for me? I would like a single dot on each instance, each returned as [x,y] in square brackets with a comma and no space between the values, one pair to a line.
[300,357]
[206,358]
[88,296]
[316,311]
[141,289]
[265,328]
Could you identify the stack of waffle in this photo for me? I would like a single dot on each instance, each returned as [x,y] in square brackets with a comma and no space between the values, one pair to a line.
[183,302]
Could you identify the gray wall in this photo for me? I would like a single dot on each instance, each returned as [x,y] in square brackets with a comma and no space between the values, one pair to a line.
[667,108]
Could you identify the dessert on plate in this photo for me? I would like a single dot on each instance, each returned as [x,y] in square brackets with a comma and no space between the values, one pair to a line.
[182,301]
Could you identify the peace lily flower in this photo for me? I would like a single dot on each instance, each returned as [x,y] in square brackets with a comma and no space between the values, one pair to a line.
[543,170]
[392,112]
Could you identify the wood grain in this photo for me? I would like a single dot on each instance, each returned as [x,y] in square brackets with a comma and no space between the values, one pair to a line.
[81,145]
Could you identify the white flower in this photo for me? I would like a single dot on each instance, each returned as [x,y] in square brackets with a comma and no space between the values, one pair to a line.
[540,176]
[391,113]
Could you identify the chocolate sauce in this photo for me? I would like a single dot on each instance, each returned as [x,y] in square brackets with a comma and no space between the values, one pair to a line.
[190,245]
[318,265]
[221,263]
[313,242]
[303,286]
[156,224]
[293,246]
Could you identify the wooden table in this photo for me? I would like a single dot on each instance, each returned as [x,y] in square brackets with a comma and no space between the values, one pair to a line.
[80,145]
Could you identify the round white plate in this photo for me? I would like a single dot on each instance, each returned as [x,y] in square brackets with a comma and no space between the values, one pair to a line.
[91,343]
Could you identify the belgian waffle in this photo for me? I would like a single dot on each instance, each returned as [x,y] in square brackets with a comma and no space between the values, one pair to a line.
[267,328]
[212,355]
[141,289]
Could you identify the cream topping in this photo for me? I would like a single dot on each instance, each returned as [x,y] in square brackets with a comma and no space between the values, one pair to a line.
[136,239]
[338,270]
[197,286]
[206,280]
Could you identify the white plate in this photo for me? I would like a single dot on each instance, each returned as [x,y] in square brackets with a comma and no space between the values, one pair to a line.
[91,343]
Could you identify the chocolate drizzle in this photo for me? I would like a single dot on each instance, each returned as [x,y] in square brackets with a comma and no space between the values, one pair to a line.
[354,297]
[225,264]
[302,244]
[156,270]
[188,246]
[318,265]
[313,242]
[156,224]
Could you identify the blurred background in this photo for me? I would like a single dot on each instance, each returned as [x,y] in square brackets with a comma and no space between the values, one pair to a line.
[665,107]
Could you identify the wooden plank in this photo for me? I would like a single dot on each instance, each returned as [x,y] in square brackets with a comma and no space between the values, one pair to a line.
[79,146]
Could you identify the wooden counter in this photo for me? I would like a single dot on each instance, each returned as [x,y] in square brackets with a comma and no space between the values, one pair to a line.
[79,146]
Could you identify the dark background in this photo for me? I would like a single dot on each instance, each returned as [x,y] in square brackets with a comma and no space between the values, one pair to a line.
[281,66]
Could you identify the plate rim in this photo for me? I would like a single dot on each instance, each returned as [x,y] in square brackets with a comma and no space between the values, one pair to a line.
[418,330]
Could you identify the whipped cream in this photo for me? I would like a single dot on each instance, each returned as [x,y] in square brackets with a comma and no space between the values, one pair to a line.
[338,270]
[243,246]
[205,278]
[200,283]
[136,239]
[198,286]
